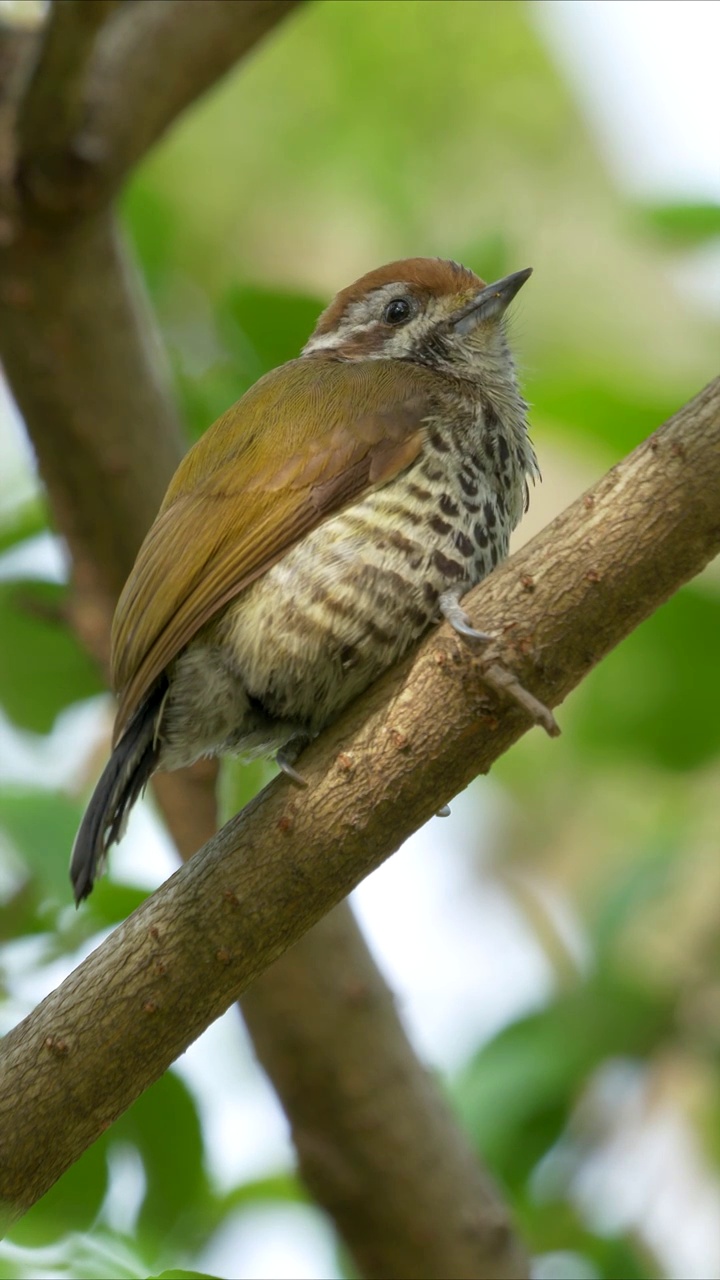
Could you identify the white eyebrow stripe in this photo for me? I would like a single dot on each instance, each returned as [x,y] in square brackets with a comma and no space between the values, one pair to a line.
[357,315]
[324,341]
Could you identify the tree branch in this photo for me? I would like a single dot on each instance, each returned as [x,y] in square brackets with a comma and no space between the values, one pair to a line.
[75,333]
[116,99]
[418,738]
[18,44]
[53,107]
[407,1200]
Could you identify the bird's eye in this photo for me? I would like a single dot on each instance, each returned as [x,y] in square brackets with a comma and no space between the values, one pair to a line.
[397,311]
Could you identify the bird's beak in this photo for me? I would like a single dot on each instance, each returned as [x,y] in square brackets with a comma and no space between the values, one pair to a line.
[490,302]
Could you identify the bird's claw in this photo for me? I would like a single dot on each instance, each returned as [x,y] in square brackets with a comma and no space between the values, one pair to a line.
[459,621]
[496,675]
[468,632]
[285,764]
[505,682]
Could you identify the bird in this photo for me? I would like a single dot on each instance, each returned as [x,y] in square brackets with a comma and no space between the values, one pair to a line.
[345,504]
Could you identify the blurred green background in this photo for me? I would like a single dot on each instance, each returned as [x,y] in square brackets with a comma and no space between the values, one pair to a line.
[358,133]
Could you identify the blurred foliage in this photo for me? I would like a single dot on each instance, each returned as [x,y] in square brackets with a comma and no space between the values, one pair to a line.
[682,224]
[42,667]
[643,702]
[19,523]
[327,154]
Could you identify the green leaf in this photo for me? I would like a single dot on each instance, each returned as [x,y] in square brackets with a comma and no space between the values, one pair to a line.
[164,1126]
[26,520]
[72,1204]
[42,667]
[152,219]
[239,783]
[647,876]
[23,914]
[104,1253]
[681,224]
[263,328]
[555,1228]
[110,903]
[592,1256]
[609,413]
[656,696]
[259,329]
[517,1093]
[183,1275]
[283,1187]
[205,396]
[42,826]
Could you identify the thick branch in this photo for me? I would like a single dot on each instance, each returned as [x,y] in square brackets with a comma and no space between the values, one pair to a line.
[408,1202]
[18,45]
[53,108]
[150,61]
[75,337]
[420,735]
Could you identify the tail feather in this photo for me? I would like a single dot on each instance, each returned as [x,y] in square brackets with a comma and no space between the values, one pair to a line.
[124,777]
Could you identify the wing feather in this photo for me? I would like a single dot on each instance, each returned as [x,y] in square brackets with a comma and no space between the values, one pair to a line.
[232,510]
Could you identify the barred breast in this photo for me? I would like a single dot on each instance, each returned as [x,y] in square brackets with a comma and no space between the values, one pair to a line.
[355,594]
[350,599]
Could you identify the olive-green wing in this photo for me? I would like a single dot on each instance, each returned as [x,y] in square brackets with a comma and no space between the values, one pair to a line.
[305,441]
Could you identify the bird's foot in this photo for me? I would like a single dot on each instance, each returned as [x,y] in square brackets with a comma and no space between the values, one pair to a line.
[505,682]
[451,609]
[286,757]
[497,676]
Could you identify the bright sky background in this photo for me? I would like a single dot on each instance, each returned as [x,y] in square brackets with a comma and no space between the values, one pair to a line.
[646,76]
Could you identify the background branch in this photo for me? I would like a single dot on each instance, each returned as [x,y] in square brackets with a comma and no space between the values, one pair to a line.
[53,107]
[418,737]
[152,59]
[75,333]
[354,1117]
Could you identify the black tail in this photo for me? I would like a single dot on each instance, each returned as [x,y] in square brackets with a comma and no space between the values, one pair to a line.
[125,775]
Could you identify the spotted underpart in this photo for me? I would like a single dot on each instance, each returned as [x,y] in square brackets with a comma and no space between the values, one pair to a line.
[350,599]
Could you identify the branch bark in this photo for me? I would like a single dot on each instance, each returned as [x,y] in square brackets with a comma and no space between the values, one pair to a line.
[354,1116]
[75,160]
[418,738]
[53,107]
[85,363]
[75,333]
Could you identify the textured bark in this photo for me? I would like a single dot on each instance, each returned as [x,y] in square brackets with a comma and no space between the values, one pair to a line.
[354,1117]
[151,60]
[52,114]
[409,746]
[82,354]
[75,339]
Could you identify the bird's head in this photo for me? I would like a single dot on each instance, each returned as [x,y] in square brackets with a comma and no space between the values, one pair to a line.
[424,310]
